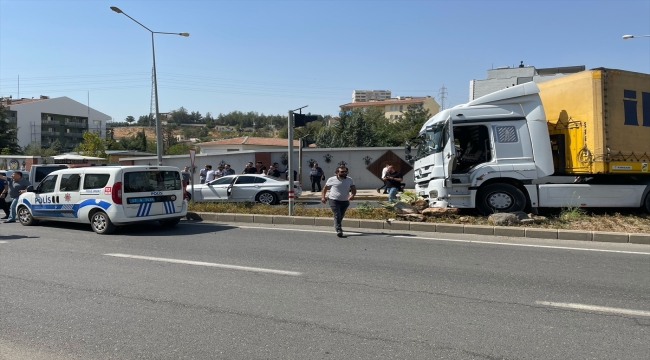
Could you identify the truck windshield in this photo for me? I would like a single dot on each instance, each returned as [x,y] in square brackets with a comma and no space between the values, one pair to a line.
[433,140]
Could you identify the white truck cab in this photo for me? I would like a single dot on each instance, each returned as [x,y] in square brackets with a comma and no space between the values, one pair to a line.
[106,197]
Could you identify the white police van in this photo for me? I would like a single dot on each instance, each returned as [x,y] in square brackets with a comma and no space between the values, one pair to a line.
[106,197]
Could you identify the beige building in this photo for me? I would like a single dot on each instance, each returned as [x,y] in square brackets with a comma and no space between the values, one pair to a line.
[393,108]
[368,95]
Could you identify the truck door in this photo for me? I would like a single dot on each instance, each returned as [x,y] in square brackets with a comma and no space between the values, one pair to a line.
[449,151]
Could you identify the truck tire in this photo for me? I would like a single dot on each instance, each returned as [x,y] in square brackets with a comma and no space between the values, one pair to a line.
[500,198]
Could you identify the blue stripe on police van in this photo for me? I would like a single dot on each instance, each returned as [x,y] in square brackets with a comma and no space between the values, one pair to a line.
[148,209]
[169,207]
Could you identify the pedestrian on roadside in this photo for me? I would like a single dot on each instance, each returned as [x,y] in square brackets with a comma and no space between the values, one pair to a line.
[316,175]
[249,169]
[210,175]
[341,191]
[186,175]
[273,171]
[16,186]
[393,179]
[203,173]
[219,172]
[228,171]
[4,190]
[383,175]
[261,169]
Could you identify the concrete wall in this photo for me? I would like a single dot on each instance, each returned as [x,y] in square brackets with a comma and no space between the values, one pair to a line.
[29,114]
[353,157]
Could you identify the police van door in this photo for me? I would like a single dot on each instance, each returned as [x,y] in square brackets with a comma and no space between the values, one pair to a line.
[45,205]
[68,194]
[151,192]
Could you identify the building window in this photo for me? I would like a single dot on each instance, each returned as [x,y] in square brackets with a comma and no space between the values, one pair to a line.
[401,107]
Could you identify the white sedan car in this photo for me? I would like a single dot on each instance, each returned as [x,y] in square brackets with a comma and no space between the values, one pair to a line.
[247,187]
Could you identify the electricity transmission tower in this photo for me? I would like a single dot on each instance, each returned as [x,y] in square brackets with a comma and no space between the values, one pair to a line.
[443,97]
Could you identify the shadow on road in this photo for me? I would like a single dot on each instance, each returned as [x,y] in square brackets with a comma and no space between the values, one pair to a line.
[16,237]
[149,228]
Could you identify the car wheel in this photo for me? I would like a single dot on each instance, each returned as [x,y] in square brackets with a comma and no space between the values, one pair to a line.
[169,223]
[268,198]
[101,223]
[500,198]
[25,216]
[188,195]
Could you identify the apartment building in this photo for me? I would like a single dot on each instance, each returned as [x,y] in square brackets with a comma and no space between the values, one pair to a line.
[506,76]
[44,120]
[368,95]
[394,107]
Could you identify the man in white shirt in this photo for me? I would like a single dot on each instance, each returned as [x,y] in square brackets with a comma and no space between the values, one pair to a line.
[383,175]
[342,191]
[210,175]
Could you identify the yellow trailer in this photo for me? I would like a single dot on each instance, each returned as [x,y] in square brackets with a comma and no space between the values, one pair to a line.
[599,121]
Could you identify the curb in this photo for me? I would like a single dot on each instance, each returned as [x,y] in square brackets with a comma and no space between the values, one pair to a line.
[535,233]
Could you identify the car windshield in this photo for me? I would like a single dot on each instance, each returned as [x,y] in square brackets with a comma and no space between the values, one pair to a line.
[433,140]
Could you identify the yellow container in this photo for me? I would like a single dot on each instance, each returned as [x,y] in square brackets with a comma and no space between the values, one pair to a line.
[602,121]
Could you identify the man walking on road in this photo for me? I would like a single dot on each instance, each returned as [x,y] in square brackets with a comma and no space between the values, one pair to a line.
[342,191]
[17,186]
[203,173]
[393,181]
[383,175]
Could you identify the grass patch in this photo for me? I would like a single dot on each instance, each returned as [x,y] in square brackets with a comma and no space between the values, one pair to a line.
[628,220]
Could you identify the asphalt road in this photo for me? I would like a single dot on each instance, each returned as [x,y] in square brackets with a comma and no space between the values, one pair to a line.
[207,290]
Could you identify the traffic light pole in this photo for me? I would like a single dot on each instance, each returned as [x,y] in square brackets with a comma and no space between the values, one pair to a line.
[290,159]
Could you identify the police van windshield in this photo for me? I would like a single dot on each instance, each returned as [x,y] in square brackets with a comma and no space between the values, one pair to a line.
[143,181]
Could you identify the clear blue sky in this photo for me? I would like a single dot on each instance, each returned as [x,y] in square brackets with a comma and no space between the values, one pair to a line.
[272,56]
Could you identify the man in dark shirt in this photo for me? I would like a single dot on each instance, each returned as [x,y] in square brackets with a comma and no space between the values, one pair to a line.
[249,169]
[273,171]
[4,190]
[393,182]
[228,170]
[17,186]
[261,169]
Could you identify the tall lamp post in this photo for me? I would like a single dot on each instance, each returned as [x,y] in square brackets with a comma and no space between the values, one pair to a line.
[159,137]
[625,37]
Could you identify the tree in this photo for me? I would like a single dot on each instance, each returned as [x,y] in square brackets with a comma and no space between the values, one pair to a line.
[352,130]
[92,145]
[180,149]
[8,132]
[168,136]
[411,122]
[130,119]
[208,120]
[144,120]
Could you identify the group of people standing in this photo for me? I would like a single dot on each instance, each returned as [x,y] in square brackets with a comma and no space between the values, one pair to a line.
[208,174]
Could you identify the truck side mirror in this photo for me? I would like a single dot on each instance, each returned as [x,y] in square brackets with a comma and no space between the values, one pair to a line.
[407,148]
[409,159]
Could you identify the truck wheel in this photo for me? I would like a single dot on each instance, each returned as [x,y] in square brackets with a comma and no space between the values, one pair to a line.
[500,198]
[25,217]
[101,223]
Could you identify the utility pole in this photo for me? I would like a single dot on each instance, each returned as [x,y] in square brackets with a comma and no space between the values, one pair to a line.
[443,97]
[290,158]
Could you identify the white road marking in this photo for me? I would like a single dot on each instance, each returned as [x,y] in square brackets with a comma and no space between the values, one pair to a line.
[201,263]
[458,240]
[603,309]
[3,241]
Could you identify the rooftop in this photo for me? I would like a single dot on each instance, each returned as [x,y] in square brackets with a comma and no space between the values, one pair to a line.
[409,100]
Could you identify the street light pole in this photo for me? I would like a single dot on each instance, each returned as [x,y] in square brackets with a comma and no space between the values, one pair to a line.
[159,137]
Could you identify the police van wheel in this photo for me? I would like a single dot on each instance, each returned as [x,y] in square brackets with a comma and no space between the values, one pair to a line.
[169,223]
[647,203]
[25,217]
[101,223]
[267,198]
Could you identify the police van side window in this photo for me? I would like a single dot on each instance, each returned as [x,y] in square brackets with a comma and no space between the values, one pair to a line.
[70,182]
[96,181]
[48,184]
